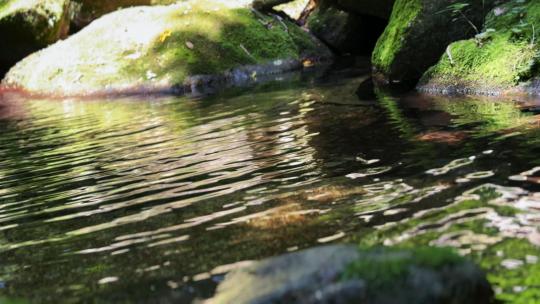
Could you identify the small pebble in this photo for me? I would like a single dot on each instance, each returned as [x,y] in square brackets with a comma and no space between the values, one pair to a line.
[512,264]
[107,280]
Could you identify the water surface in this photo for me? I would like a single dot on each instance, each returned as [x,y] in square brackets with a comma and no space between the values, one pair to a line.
[151,200]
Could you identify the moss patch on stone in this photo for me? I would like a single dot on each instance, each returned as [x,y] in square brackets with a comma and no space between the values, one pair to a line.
[417,35]
[386,267]
[160,46]
[401,21]
[505,55]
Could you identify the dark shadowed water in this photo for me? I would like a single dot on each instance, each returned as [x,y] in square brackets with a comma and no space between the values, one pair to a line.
[151,200]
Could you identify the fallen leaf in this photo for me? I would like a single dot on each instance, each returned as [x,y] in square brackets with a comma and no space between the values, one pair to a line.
[165,35]
[308,63]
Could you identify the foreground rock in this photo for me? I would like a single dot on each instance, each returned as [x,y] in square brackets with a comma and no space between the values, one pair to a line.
[29,25]
[165,49]
[343,274]
[501,60]
[417,35]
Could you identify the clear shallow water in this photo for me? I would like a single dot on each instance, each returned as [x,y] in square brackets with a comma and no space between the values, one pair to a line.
[151,201]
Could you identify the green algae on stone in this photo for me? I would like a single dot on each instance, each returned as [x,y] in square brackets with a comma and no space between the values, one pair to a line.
[416,36]
[495,65]
[29,25]
[387,265]
[148,49]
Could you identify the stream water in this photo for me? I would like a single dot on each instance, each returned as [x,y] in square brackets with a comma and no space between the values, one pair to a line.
[152,200]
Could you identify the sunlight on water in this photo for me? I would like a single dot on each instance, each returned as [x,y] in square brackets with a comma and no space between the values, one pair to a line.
[139,199]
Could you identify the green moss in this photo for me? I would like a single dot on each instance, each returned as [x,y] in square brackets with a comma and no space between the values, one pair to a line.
[488,116]
[385,267]
[506,280]
[485,196]
[505,55]
[402,19]
[499,63]
[12,301]
[221,40]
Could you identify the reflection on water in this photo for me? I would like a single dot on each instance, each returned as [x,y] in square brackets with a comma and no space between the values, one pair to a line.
[153,200]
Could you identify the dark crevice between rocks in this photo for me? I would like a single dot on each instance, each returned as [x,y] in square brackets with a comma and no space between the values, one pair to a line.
[347,33]
[3,71]
[371,29]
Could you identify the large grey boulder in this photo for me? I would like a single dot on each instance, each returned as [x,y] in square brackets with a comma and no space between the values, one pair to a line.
[166,49]
[344,274]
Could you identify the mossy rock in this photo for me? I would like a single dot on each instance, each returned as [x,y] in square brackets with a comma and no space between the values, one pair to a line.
[501,60]
[417,35]
[162,48]
[29,25]
[345,274]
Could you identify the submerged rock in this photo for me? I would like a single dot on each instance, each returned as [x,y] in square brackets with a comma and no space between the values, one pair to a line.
[165,49]
[503,59]
[29,25]
[417,35]
[344,274]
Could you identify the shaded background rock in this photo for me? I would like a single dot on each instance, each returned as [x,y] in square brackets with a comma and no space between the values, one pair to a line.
[376,8]
[86,11]
[344,31]
[27,26]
